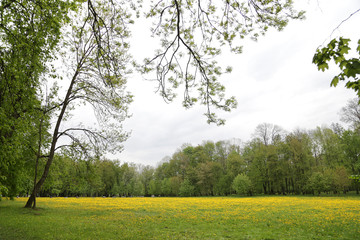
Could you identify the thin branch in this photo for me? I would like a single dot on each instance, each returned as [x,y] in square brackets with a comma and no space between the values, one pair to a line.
[344,21]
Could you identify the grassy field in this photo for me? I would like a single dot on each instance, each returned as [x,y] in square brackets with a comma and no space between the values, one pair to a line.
[183,218]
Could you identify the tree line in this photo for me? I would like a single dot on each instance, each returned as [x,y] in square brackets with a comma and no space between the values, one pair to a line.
[324,159]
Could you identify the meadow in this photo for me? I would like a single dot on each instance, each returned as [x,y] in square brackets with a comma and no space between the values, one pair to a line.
[287,217]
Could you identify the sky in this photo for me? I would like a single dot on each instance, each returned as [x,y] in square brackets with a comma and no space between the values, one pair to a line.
[273,80]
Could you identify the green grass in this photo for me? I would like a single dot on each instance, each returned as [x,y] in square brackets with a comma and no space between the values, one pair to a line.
[183,218]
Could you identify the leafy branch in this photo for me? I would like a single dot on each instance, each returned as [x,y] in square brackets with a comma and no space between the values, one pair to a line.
[336,51]
[192,34]
[350,67]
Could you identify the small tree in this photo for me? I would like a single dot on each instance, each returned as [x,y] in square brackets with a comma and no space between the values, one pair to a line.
[166,187]
[356,181]
[341,179]
[186,188]
[318,182]
[241,184]
[154,187]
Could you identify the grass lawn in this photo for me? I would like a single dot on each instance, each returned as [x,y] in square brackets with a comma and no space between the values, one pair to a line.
[183,218]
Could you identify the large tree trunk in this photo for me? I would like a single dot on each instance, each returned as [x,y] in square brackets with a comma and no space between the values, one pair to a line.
[32,200]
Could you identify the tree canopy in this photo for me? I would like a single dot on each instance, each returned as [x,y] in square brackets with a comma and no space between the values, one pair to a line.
[29,34]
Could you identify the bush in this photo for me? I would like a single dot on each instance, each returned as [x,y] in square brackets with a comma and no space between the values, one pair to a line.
[186,188]
[241,184]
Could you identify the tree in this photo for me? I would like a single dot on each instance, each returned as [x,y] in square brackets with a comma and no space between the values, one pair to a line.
[138,188]
[98,71]
[241,184]
[301,159]
[341,179]
[351,143]
[356,180]
[317,182]
[146,175]
[235,164]
[329,147]
[255,157]
[29,33]
[351,113]
[128,177]
[154,187]
[221,152]
[108,176]
[223,185]
[166,186]
[186,189]
[269,133]
[208,174]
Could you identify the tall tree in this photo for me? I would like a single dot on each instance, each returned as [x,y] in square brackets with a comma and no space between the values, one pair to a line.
[97,76]
[268,133]
[301,159]
[29,32]
[351,113]
[330,152]
[351,143]
[146,175]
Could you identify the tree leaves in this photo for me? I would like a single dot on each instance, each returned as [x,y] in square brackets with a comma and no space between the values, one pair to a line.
[193,34]
[350,67]
[29,33]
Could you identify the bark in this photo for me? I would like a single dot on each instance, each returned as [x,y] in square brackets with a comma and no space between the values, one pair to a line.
[36,167]
[32,200]
[264,187]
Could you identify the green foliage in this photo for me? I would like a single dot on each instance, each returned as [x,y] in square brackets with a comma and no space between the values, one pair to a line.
[235,164]
[241,184]
[330,149]
[186,189]
[301,162]
[341,179]
[166,187]
[154,188]
[29,34]
[192,36]
[331,179]
[336,50]
[317,182]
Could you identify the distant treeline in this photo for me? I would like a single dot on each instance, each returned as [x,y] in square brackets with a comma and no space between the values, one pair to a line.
[273,162]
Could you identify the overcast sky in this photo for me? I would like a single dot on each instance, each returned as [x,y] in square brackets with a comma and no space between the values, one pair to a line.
[273,80]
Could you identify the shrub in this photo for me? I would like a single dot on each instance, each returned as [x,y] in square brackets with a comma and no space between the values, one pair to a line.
[241,184]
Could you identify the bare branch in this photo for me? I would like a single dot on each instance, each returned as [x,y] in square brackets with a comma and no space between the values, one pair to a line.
[343,21]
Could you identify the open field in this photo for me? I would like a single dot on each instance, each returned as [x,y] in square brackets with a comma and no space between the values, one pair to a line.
[183,218]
